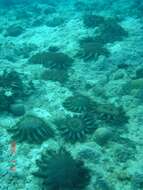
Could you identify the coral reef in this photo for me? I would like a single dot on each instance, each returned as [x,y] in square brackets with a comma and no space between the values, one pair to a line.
[31,129]
[79,103]
[79,65]
[60,170]
[77,128]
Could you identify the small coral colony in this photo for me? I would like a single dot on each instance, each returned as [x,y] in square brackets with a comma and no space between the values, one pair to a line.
[58,168]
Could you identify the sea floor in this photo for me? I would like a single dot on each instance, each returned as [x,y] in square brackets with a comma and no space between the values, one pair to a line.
[114,79]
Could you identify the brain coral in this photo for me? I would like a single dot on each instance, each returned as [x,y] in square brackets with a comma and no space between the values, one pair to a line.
[60,171]
[77,128]
[31,129]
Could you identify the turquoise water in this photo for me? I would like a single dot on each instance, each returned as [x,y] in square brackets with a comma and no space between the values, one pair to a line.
[71,91]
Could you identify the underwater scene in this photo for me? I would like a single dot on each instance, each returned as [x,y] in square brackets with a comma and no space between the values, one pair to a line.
[71,95]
